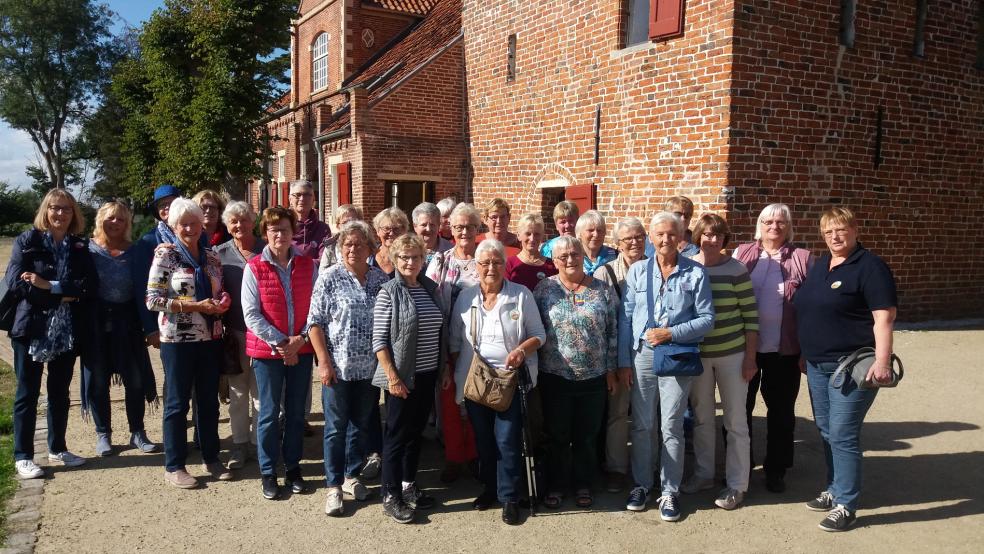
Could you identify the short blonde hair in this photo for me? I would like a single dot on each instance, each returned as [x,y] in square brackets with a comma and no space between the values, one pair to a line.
[114,207]
[536,220]
[683,202]
[209,194]
[495,205]
[404,243]
[396,217]
[566,209]
[41,222]
[837,214]
[345,209]
[590,217]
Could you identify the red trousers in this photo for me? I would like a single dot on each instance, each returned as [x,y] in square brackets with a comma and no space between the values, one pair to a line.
[459,439]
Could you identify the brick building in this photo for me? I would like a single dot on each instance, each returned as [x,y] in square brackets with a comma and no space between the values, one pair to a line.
[738,103]
[376,112]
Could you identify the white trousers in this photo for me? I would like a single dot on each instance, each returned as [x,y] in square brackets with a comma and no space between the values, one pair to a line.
[725,372]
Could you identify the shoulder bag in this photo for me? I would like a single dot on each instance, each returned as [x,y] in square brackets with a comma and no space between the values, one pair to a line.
[857,364]
[670,359]
[485,384]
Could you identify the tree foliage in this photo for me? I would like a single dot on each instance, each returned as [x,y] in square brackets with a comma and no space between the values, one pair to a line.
[17,208]
[54,59]
[205,72]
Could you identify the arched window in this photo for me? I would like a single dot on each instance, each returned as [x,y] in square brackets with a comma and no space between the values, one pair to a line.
[319,62]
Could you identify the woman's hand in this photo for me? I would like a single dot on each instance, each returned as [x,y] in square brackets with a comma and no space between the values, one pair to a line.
[880,372]
[291,347]
[658,335]
[327,373]
[398,389]
[515,358]
[446,380]
[749,367]
[291,360]
[625,377]
[35,280]
[611,380]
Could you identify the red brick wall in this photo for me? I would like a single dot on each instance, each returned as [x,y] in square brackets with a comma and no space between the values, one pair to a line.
[804,126]
[327,20]
[384,26]
[664,108]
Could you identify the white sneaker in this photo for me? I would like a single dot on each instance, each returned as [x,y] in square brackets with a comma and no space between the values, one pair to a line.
[729,499]
[334,506]
[66,458]
[27,469]
[353,487]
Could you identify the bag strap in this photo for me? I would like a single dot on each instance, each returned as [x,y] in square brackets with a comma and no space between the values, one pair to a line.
[650,302]
[474,325]
[614,278]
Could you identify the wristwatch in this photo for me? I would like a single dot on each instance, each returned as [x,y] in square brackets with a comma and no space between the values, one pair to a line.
[306,337]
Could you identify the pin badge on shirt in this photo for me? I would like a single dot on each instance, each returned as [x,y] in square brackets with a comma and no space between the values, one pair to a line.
[541,275]
[514,315]
[835,285]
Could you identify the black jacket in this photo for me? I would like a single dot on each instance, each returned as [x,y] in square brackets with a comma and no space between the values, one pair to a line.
[34,304]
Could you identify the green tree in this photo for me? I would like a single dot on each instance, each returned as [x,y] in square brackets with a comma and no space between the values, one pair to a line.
[17,208]
[205,73]
[54,57]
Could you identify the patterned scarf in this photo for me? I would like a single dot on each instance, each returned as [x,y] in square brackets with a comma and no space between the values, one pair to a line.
[59,338]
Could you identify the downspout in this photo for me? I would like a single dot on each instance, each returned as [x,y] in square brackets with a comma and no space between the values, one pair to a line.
[321,176]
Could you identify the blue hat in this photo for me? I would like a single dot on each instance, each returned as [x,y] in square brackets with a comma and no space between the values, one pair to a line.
[160,193]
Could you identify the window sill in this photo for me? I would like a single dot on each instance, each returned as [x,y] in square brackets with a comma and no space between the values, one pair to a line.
[629,50]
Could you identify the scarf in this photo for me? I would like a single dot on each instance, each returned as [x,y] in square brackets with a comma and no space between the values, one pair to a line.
[59,338]
[203,285]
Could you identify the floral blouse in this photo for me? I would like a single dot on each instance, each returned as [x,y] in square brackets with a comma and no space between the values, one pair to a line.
[171,278]
[342,307]
[582,329]
[451,275]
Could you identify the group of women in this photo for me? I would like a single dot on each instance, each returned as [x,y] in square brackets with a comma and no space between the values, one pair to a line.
[405,306]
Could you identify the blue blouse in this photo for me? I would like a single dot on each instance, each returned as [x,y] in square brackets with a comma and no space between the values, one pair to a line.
[115,279]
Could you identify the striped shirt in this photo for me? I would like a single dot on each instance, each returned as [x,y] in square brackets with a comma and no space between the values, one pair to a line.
[429,320]
[734,307]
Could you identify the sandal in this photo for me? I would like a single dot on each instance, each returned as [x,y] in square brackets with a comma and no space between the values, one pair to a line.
[553,500]
[583,498]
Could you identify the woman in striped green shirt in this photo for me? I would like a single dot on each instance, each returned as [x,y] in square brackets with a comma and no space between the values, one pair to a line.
[728,355]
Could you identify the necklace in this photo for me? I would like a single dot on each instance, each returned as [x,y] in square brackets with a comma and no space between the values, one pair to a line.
[576,298]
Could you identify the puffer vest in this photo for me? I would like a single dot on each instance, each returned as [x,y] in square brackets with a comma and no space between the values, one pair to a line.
[403,332]
[273,303]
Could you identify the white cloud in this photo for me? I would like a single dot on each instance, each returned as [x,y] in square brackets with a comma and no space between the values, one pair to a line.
[16,153]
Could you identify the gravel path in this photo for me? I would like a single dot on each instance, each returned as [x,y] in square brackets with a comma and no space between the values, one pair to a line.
[924,443]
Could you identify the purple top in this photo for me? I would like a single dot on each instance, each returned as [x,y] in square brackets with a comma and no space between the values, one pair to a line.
[310,236]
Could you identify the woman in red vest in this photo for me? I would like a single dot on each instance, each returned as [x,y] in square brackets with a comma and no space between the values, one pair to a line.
[276,295]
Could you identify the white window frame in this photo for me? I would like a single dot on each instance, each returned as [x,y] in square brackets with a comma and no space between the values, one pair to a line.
[319,62]
[302,172]
[281,166]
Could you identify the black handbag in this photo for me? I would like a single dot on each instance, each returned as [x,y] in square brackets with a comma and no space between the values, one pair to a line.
[8,306]
[670,359]
[857,364]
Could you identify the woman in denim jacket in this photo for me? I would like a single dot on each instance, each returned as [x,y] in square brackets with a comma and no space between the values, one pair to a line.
[683,314]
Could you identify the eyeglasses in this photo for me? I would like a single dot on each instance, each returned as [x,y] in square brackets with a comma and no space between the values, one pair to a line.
[634,238]
[711,236]
[209,207]
[408,259]
[572,257]
[491,263]
[274,231]
[462,228]
[497,217]
[353,245]
[60,209]
[390,230]
[682,215]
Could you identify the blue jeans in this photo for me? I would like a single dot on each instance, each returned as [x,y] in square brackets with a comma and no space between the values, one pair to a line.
[187,366]
[273,378]
[344,402]
[839,413]
[498,439]
[657,401]
[26,399]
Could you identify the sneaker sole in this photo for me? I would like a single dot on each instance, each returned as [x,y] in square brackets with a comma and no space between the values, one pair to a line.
[67,464]
[724,506]
[632,508]
[832,530]
[669,518]
[30,476]
[336,512]
[180,485]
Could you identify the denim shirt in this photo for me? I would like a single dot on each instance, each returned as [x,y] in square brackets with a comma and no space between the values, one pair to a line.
[686,305]
[250,299]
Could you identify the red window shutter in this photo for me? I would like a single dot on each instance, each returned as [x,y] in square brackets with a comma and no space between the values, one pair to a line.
[665,18]
[284,194]
[344,170]
[582,195]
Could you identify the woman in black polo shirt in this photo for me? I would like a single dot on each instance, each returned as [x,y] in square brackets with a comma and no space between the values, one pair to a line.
[847,302]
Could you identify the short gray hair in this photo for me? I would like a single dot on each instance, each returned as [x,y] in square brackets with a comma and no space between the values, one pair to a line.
[238,209]
[568,242]
[772,210]
[668,217]
[357,227]
[468,211]
[425,208]
[301,184]
[535,220]
[182,206]
[590,217]
[347,209]
[629,223]
[446,206]
[491,245]
[395,215]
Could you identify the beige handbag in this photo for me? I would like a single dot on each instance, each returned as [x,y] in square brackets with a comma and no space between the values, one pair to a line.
[485,384]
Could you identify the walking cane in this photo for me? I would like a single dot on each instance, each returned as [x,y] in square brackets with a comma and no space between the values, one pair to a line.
[531,487]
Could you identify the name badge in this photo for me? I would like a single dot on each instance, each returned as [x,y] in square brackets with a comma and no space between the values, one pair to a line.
[835,285]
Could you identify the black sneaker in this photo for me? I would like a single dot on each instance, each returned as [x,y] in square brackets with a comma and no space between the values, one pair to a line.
[416,498]
[397,509]
[270,489]
[296,482]
[839,519]
[822,503]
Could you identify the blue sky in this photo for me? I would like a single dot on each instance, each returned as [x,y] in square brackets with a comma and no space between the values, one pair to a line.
[16,149]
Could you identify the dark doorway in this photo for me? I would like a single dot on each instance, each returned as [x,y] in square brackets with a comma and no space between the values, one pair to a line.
[407,194]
